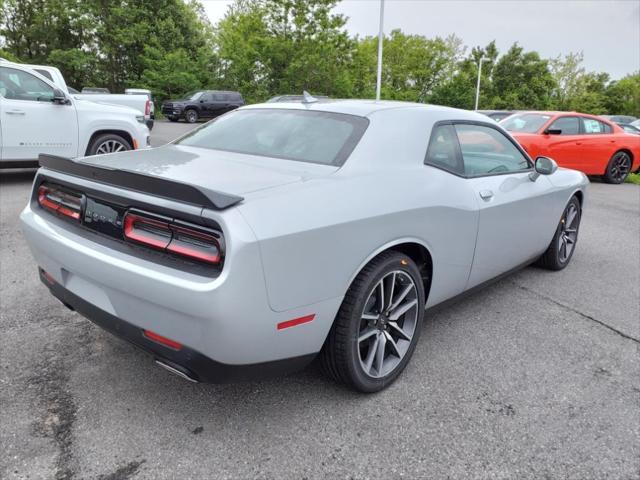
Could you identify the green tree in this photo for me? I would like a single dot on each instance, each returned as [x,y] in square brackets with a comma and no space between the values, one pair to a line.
[522,80]
[413,65]
[623,96]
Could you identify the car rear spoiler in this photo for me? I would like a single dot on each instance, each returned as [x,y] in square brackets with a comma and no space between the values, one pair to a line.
[159,187]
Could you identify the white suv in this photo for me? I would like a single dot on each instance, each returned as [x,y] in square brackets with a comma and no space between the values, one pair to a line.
[37,117]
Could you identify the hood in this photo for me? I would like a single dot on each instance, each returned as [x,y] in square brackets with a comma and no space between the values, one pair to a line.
[225,172]
[105,107]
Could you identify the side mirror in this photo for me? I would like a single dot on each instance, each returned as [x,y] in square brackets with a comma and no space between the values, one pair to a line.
[553,131]
[59,97]
[543,166]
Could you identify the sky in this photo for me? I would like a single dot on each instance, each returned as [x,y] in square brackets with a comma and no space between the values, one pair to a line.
[606,31]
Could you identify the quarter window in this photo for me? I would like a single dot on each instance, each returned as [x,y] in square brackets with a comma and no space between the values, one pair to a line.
[566,125]
[486,150]
[443,150]
[19,85]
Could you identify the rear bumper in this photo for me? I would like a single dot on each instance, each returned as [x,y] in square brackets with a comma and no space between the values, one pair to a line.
[186,362]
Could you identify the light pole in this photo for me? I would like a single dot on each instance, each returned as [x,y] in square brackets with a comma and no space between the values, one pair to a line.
[380,37]
[478,84]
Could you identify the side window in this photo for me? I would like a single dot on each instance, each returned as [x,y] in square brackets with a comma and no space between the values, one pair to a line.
[443,150]
[566,125]
[19,85]
[217,97]
[486,150]
[592,125]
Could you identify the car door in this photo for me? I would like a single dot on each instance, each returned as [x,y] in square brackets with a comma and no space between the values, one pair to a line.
[31,122]
[599,144]
[515,213]
[207,105]
[563,141]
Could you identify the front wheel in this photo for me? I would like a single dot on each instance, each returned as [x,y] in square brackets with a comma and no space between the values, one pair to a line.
[108,143]
[618,168]
[565,239]
[191,116]
[378,324]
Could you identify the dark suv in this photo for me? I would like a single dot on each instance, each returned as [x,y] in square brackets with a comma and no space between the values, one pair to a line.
[201,104]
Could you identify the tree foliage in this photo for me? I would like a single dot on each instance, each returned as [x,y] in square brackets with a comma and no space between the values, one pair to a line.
[268,47]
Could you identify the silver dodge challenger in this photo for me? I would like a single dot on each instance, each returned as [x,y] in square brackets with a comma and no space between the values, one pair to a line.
[282,232]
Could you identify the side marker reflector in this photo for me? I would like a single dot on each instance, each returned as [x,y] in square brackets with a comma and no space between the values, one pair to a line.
[167,342]
[296,321]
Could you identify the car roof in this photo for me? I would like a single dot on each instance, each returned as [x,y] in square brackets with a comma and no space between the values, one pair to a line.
[362,108]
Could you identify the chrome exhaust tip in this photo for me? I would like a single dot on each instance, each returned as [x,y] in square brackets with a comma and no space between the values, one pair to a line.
[175,371]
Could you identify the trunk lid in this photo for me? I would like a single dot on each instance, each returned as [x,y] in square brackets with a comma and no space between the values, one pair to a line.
[228,172]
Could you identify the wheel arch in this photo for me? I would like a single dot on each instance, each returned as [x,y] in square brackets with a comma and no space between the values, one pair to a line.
[621,150]
[123,133]
[415,249]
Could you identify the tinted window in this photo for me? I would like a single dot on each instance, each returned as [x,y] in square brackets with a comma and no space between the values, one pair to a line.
[567,125]
[525,122]
[443,149]
[486,150]
[19,85]
[591,125]
[315,137]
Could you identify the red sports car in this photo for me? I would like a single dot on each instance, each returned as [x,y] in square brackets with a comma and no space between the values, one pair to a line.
[574,140]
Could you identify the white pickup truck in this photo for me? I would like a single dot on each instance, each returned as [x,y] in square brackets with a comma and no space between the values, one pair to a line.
[36,116]
[139,100]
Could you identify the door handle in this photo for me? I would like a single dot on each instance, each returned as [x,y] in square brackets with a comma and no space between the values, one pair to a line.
[578,143]
[15,112]
[486,194]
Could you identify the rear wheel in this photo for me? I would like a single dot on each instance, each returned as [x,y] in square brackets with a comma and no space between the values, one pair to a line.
[565,239]
[618,168]
[377,326]
[108,143]
[191,116]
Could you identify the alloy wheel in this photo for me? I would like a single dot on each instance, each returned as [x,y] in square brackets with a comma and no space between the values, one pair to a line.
[387,324]
[568,233]
[110,146]
[620,166]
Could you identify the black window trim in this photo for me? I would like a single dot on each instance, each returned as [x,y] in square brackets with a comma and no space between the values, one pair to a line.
[459,149]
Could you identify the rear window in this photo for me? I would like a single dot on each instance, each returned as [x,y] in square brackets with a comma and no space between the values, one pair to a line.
[314,137]
[525,122]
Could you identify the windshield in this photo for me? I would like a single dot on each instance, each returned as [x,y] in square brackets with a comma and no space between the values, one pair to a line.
[193,95]
[525,122]
[304,136]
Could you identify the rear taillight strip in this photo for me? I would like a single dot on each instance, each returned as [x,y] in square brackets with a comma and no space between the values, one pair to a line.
[185,241]
[60,202]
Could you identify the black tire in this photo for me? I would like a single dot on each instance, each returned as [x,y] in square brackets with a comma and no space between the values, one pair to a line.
[173,119]
[191,116]
[108,143]
[553,258]
[618,168]
[341,354]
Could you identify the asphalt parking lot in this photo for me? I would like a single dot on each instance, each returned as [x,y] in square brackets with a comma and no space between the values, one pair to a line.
[537,376]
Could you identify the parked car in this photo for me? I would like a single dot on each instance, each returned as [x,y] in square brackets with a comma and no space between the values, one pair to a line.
[497,115]
[38,117]
[294,98]
[280,232]
[201,104]
[628,128]
[585,142]
[149,95]
[619,118]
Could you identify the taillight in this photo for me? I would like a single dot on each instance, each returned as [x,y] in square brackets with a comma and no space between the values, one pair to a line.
[60,202]
[177,238]
[147,108]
